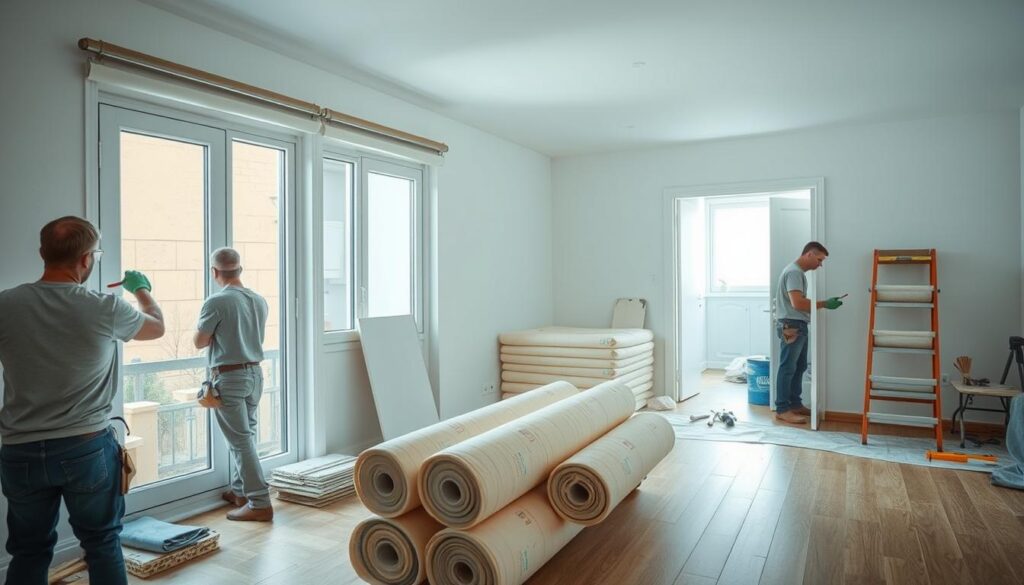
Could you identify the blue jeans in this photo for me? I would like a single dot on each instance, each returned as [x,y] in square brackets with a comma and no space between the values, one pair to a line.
[240,391]
[86,472]
[789,382]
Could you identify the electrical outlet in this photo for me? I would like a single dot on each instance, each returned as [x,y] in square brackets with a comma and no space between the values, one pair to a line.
[945,378]
[487,389]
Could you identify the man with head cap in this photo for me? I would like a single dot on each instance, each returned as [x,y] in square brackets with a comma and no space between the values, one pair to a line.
[58,348]
[232,324]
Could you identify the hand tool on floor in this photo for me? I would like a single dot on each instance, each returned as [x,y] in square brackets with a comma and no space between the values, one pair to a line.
[725,416]
[961,458]
[698,417]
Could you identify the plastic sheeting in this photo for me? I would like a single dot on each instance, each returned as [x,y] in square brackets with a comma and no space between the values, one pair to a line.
[464,484]
[391,551]
[505,549]
[385,475]
[586,487]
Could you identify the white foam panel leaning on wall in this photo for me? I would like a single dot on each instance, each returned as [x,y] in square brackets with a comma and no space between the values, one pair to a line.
[505,549]
[464,484]
[385,475]
[391,551]
[586,487]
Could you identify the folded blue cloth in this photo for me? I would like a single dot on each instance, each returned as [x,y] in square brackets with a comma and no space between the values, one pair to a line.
[1012,476]
[157,536]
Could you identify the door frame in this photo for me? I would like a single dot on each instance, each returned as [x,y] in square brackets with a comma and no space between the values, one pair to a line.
[670,248]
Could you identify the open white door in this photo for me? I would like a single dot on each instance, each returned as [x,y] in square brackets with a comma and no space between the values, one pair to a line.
[789,215]
[690,323]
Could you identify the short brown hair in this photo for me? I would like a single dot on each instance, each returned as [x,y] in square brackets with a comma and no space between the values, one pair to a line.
[65,239]
[816,247]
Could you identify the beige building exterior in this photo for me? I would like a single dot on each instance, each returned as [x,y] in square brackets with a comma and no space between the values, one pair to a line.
[163,223]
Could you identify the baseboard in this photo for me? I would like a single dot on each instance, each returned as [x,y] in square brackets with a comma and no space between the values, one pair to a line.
[947,425]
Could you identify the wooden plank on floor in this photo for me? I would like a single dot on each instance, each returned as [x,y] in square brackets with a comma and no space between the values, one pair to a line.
[827,540]
[709,556]
[746,559]
[1000,524]
[863,562]
[942,555]
[788,552]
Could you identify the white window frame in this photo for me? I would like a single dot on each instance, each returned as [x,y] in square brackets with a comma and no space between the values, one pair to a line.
[245,131]
[712,206]
[364,164]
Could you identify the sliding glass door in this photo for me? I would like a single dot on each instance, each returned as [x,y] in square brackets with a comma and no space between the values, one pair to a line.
[171,191]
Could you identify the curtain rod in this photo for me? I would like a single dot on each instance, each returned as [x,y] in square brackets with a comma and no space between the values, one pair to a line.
[326,115]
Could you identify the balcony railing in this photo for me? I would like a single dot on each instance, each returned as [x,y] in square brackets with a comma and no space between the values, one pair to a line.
[181,431]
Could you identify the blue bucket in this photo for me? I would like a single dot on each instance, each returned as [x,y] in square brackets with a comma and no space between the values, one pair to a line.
[758,380]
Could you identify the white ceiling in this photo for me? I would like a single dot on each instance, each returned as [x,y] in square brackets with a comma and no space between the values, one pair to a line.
[575,76]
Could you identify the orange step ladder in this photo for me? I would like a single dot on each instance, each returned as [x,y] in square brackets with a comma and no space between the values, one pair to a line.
[926,391]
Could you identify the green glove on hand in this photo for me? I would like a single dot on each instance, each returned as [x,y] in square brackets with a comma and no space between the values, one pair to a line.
[833,303]
[134,280]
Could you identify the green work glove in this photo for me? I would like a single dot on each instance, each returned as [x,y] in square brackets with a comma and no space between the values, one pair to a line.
[833,303]
[134,280]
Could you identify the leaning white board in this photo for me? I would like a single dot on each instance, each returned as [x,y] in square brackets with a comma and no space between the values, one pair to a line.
[398,375]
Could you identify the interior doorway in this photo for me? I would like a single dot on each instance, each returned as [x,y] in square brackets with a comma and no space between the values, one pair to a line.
[729,244]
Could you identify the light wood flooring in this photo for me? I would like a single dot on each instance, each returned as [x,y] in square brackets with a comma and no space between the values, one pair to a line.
[710,513]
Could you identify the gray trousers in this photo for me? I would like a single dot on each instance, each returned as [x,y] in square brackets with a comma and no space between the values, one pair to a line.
[240,391]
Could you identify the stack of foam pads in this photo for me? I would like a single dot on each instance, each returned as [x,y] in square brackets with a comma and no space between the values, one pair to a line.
[582,357]
[315,482]
[483,481]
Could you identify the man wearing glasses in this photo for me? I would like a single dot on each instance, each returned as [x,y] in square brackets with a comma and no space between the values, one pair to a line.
[58,343]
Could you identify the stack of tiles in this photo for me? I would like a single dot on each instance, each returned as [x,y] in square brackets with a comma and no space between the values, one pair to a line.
[582,357]
[315,482]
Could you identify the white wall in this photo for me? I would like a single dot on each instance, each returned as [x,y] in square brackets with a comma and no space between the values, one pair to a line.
[949,183]
[492,217]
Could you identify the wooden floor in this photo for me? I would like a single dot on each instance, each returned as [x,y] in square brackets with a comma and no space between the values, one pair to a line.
[709,513]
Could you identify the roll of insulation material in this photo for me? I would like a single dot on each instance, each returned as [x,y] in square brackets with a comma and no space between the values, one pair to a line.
[904,293]
[464,484]
[581,382]
[571,362]
[586,487]
[580,337]
[641,400]
[385,475]
[605,373]
[505,549]
[391,551]
[579,352]
[905,339]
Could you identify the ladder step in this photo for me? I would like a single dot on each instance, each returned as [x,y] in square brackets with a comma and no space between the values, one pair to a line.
[905,350]
[904,256]
[904,305]
[902,419]
[881,393]
[886,380]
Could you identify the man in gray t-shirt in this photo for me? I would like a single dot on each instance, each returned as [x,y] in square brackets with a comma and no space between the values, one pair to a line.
[58,347]
[793,313]
[232,324]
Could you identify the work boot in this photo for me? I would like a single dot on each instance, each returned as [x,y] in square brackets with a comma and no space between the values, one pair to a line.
[802,410]
[791,418]
[247,513]
[236,501]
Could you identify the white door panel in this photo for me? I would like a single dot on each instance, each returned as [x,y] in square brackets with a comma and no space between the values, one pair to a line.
[691,321]
[790,218]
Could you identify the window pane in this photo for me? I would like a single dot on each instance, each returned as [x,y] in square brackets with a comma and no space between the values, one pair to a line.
[389,245]
[257,174]
[337,251]
[740,248]
[162,178]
